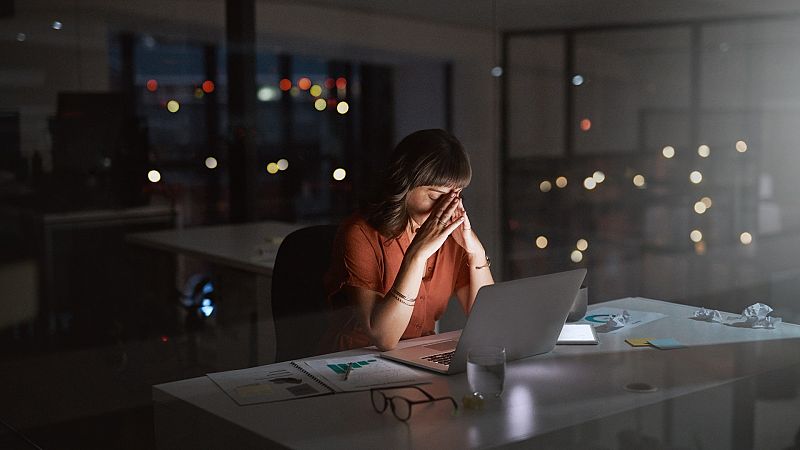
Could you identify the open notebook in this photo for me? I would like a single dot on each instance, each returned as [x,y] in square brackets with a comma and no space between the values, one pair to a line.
[308,378]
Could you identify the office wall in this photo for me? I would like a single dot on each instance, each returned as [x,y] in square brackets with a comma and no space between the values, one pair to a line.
[76,58]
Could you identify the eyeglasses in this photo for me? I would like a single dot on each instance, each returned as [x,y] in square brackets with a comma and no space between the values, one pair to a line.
[401,406]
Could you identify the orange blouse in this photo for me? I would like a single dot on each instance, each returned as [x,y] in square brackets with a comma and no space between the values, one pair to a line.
[364,258]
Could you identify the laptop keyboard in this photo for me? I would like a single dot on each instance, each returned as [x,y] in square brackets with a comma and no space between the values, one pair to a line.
[440,358]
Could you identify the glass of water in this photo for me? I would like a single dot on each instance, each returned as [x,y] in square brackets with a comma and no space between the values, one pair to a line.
[486,370]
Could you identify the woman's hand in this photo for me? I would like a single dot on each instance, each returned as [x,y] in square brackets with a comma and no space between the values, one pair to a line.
[464,235]
[441,222]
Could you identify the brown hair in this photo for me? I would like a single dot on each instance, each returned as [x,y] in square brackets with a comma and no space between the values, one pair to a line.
[423,158]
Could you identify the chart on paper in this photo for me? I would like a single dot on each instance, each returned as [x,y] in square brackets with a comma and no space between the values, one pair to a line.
[341,368]
[366,371]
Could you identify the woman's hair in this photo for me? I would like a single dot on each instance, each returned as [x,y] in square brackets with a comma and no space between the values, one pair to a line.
[423,158]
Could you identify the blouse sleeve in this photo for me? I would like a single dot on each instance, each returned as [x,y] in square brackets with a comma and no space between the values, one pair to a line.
[362,261]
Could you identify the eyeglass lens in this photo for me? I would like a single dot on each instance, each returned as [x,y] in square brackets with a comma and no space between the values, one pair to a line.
[379,401]
[401,408]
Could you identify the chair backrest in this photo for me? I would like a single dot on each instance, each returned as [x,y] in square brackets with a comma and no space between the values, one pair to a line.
[299,310]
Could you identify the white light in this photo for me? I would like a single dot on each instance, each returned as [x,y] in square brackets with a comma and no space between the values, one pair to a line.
[668,151]
[541,242]
[561,182]
[696,177]
[599,176]
[741,146]
[696,236]
[57,25]
[577,80]
[706,201]
[704,151]
[339,174]
[173,106]
[211,162]
[342,107]
[154,176]
[21,37]
[589,183]
[746,238]
[267,93]
[576,256]
[639,181]
[283,164]
[700,207]
[545,186]
[582,245]
[497,71]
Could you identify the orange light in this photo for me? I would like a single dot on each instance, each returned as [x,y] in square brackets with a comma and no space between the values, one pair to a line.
[341,83]
[586,125]
[208,86]
[285,84]
[152,85]
[304,83]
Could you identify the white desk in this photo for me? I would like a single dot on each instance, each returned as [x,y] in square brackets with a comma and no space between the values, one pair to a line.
[250,247]
[241,258]
[570,386]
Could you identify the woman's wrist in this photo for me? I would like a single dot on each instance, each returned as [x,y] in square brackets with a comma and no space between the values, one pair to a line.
[478,260]
[476,256]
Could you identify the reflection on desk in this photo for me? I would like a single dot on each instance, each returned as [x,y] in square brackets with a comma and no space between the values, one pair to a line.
[240,259]
[556,399]
[250,247]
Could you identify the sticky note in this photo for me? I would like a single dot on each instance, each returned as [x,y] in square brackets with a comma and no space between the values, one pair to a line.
[640,342]
[666,343]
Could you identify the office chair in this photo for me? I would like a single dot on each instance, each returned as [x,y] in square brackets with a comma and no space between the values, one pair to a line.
[299,310]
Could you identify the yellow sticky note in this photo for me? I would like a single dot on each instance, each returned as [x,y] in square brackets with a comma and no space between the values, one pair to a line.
[640,342]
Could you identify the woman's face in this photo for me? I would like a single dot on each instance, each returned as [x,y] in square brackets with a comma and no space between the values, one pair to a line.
[421,200]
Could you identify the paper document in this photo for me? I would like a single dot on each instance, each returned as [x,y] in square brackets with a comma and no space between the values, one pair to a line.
[366,371]
[600,316]
[275,382]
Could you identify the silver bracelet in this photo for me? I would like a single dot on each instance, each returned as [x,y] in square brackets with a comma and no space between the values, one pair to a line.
[402,298]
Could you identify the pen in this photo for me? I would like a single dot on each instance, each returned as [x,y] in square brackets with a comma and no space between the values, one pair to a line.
[349,369]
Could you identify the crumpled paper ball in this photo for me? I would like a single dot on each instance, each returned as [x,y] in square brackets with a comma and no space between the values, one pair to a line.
[758,316]
[708,315]
[615,322]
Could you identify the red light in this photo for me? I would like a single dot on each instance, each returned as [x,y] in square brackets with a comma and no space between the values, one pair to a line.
[304,83]
[586,125]
[164,339]
[208,86]
[331,102]
[341,83]
[285,84]
[152,85]
[330,83]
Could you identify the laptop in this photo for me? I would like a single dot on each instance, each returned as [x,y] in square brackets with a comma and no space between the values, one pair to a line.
[525,316]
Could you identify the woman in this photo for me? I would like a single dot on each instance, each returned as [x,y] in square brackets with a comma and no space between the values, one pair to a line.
[396,264]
